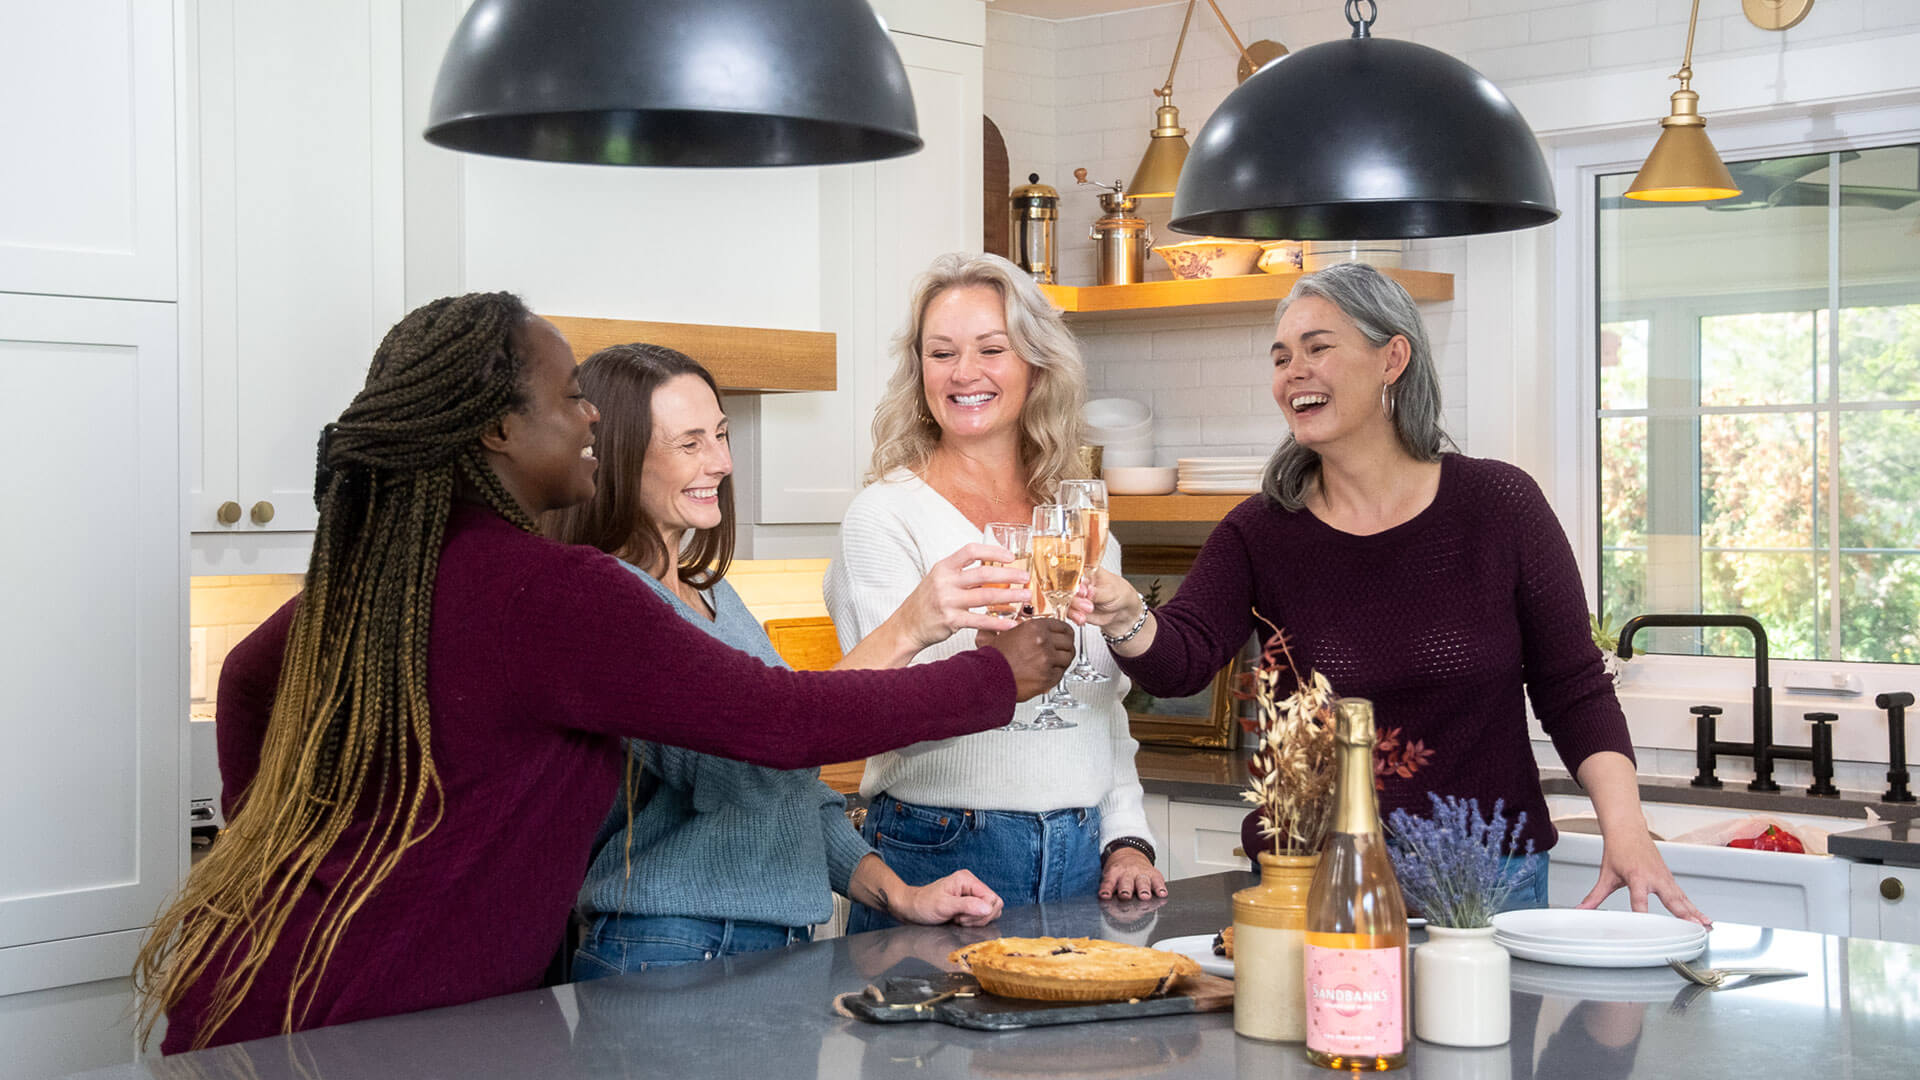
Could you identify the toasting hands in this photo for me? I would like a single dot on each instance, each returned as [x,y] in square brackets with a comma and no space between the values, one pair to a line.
[1038,651]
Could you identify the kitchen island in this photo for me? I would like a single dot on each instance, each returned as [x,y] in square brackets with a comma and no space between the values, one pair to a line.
[768,1016]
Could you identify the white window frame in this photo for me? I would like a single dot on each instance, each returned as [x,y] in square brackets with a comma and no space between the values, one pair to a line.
[1576,315]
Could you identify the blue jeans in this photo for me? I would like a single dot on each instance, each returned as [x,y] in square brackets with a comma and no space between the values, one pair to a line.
[1026,858]
[618,944]
[1531,892]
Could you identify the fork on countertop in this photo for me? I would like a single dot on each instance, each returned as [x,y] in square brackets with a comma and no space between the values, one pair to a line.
[1716,978]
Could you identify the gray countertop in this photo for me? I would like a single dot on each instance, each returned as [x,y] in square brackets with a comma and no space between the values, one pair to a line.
[767,1016]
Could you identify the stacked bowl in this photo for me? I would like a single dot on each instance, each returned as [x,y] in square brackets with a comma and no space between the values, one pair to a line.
[1123,427]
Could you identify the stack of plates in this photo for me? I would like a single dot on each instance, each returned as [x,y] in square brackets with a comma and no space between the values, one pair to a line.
[1221,475]
[1603,939]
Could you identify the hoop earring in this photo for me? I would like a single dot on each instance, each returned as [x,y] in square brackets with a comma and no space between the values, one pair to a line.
[1386,400]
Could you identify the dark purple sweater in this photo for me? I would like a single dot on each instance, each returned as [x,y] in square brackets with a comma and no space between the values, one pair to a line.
[540,657]
[1440,621]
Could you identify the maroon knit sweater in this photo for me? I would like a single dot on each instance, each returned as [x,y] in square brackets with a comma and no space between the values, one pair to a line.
[1440,622]
[540,656]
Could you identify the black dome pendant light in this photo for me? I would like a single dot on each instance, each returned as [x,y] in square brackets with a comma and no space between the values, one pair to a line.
[1363,139]
[689,83]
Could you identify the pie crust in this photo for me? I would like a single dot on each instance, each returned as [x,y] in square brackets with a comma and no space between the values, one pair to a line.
[1223,943]
[1071,969]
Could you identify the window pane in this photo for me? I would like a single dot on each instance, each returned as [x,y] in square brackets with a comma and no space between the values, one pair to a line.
[1623,364]
[1760,358]
[1879,595]
[1880,274]
[1738,388]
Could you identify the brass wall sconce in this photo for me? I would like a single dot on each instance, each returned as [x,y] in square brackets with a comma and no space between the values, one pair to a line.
[1160,166]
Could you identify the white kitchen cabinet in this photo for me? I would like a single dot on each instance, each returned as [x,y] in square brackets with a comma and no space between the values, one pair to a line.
[1203,838]
[92,649]
[880,225]
[295,253]
[1886,902]
[87,191]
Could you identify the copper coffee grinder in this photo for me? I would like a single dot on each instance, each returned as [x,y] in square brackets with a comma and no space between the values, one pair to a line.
[1121,238]
[1034,208]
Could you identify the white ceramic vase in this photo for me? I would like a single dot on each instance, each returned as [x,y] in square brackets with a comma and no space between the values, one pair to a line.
[1462,987]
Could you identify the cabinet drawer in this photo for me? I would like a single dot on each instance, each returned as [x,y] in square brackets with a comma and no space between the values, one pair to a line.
[1201,838]
[1886,903]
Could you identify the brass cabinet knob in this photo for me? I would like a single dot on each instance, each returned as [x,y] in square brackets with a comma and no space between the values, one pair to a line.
[228,513]
[262,512]
[1892,888]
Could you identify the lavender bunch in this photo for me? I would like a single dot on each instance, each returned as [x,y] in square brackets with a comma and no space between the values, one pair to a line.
[1451,865]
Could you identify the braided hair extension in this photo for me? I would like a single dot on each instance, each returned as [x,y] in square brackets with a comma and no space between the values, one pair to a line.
[350,731]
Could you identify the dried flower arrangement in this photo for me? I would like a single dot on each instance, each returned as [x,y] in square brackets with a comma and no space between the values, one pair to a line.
[1452,866]
[1294,757]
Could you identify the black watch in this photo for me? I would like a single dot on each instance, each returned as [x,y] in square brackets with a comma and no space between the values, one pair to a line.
[1133,842]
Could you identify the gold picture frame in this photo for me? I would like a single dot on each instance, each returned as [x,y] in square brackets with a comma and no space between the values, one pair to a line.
[1205,720]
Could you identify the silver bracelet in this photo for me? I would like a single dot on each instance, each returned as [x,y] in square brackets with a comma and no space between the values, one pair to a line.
[1131,630]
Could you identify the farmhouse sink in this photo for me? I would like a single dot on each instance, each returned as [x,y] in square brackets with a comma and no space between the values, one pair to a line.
[1765,888]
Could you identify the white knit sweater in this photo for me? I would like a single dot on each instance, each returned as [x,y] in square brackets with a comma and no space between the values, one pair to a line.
[893,532]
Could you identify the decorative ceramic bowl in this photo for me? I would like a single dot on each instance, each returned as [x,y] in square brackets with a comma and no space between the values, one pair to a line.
[1140,480]
[1210,257]
[1280,256]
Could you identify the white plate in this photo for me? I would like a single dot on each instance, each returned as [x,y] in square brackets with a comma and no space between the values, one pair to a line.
[1595,984]
[1198,947]
[1198,488]
[1638,952]
[1243,462]
[1602,958]
[1590,929]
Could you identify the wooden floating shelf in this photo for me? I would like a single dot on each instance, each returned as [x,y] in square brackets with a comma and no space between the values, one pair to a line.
[1205,508]
[1248,291]
[742,359]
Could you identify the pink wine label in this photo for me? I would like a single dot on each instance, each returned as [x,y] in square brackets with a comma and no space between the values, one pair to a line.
[1354,1001]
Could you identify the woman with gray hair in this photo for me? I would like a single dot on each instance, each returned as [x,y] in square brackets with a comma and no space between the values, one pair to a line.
[1437,585]
[979,423]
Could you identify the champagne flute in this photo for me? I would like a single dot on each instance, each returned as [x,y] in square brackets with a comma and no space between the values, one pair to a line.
[1016,538]
[1059,549]
[1089,498]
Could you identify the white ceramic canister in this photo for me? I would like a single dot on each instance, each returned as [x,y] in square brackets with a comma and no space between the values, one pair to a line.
[1462,988]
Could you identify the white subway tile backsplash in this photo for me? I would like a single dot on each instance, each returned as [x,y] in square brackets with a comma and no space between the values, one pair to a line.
[1653,46]
[1207,403]
[1251,371]
[1176,431]
[1519,63]
[1591,18]
[1491,32]
[1116,348]
[1259,433]
[1223,341]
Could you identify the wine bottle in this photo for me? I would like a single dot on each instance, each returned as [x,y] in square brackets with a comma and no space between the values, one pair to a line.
[1356,940]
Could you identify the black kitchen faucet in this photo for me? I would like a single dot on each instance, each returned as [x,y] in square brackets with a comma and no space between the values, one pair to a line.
[1763,750]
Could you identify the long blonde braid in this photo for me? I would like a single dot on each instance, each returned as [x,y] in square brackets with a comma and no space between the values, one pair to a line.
[351,727]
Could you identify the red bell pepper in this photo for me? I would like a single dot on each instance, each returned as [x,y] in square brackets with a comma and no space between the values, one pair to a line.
[1774,839]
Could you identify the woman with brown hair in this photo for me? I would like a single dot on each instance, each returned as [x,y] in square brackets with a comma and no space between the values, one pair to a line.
[418,750]
[708,857]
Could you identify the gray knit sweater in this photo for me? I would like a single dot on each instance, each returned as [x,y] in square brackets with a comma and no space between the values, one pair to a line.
[717,839]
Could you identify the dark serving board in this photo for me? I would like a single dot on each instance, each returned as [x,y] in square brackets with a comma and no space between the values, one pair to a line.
[955,998]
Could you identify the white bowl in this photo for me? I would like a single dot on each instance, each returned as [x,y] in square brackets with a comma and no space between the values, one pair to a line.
[1125,459]
[1138,479]
[1143,442]
[1117,412]
[1320,254]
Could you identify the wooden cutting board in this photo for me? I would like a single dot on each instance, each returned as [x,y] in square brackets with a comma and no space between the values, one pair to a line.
[955,998]
[994,189]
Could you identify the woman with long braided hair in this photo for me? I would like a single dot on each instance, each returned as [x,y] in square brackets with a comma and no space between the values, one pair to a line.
[417,751]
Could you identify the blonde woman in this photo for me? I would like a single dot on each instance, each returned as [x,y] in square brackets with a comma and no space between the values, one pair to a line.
[979,422]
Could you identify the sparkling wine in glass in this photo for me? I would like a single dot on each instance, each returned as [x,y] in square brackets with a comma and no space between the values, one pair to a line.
[1059,551]
[1016,538]
[1089,500]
